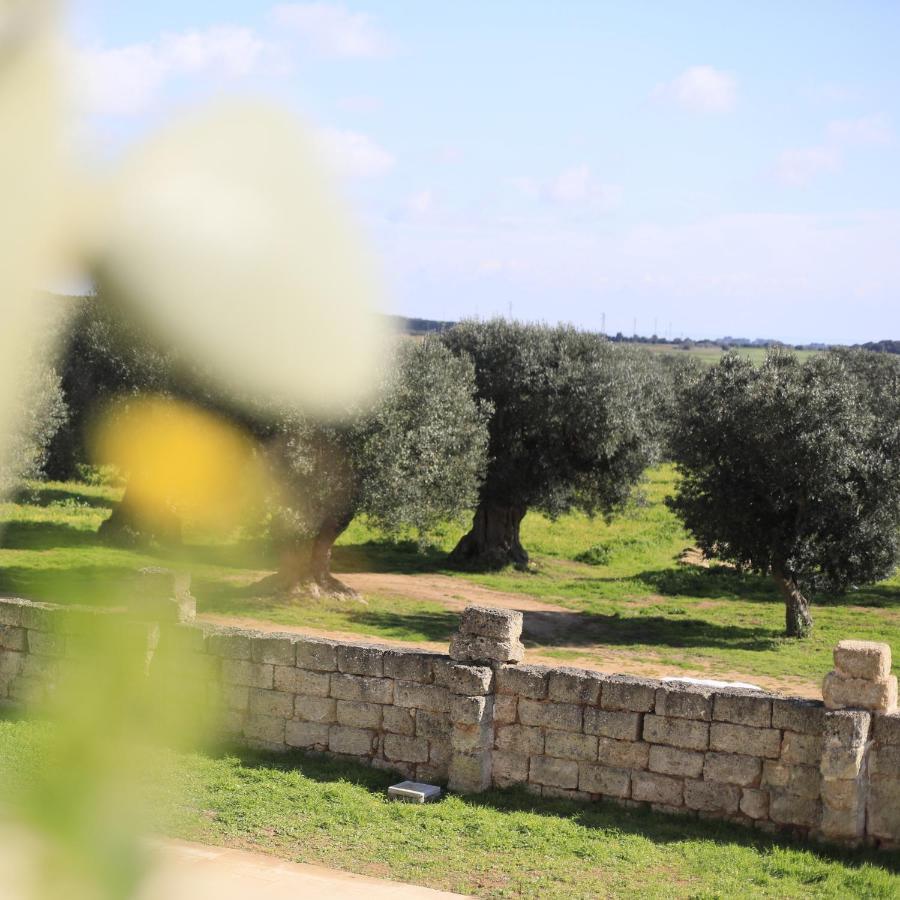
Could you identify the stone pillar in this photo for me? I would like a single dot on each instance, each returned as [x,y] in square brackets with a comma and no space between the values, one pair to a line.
[162,595]
[860,684]
[487,638]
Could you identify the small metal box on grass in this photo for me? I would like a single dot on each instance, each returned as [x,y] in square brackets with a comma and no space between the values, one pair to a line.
[414,792]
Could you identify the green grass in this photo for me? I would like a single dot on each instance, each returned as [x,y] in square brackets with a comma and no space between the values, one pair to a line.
[501,844]
[711,355]
[639,604]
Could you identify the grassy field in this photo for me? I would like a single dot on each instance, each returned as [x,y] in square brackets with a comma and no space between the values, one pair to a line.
[501,844]
[618,591]
[711,355]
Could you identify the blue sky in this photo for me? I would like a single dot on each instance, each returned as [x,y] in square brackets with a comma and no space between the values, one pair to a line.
[709,168]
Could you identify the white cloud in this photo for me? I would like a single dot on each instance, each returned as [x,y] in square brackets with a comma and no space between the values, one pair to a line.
[576,188]
[700,89]
[353,154]
[799,167]
[866,131]
[126,80]
[332,30]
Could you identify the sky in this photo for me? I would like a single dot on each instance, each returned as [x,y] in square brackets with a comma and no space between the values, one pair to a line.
[698,169]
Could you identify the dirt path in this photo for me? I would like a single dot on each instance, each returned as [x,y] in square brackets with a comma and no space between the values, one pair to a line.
[549,626]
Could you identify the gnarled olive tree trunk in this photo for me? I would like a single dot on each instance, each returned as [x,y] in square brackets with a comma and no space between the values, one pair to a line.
[798,618]
[132,524]
[493,541]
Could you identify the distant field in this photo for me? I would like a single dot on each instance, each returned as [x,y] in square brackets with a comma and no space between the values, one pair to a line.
[711,355]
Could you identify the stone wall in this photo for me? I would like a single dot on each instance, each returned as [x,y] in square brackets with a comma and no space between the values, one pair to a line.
[478,718]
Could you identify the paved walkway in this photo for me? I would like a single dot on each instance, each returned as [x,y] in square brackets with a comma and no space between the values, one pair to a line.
[188,871]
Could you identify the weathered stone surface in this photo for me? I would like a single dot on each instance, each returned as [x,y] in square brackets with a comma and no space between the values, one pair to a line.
[46,643]
[847,728]
[492,622]
[14,612]
[265,728]
[409,749]
[728,738]
[886,728]
[398,720]
[466,680]
[360,687]
[506,708]
[842,762]
[863,659]
[623,754]
[804,716]
[885,760]
[355,741]
[566,745]
[477,649]
[276,649]
[805,749]
[431,697]
[315,709]
[302,681]
[843,824]
[242,671]
[523,681]
[754,803]
[432,725]
[359,714]
[470,773]
[684,702]
[653,788]
[800,780]
[555,772]
[561,716]
[12,638]
[471,710]
[712,796]
[732,768]
[789,809]
[233,645]
[843,794]
[318,655]
[360,659]
[410,665]
[621,726]
[471,738]
[522,739]
[743,708]
[11,663]
[235,696]
[604,780]
[625,692]
[440,752]
[685,733]
[883,808]
[574,686]
[271,703]
[841,692]
[309,735]
[509,768]
[672,761]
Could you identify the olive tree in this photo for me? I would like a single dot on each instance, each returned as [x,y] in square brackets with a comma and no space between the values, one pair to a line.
[792,469]
[574,425]
[413,460]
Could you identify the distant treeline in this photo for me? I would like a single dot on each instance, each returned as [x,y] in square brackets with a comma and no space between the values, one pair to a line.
[881,346]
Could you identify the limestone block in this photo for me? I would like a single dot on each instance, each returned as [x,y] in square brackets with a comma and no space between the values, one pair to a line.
[468,680]
[574,686]
[242,671]
[230,644]
[360,659]
[732,768]
[684,702]
[547,770]
[440,752]
[506,708]
[685,733]
[471,710]
[883,808]
[804,781]
[398,720]
[842,824]
[623,754]
[431,697]
[308,735]
[672,761]
[804,716]
[409,665]
[12,638]
[11,663]
[315,709]
[887,728]
[361,687]
[743,708]
[276,649]
[471,738]
[805,749]
[319,656]
[46,643]
[844,794]
[754,803]
[520,739]
[492,622]
[271,703]
[509,768]
[728,738]
[265,728]
[621,726]
[885,761]
[712,796]
[625,692]
[789,809]
[432,725]
[604,780]
[302,681]
[403,747]
[842,692]
[566,745]
[842,762]
[235,696]
[863,659]
[561,716]
[478,649]
[355,741]
[846,728]
[653,788]
[358,713]
[470,773]
[523,681]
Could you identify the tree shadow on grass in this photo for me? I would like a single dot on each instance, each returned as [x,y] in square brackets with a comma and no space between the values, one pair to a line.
[600,815]
[401,557]
[46,496]
[16,535]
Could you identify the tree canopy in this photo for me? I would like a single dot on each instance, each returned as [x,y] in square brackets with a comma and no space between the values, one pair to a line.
[575,423]
[793,470]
